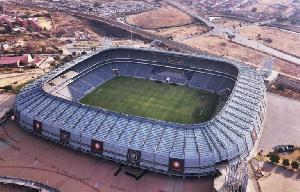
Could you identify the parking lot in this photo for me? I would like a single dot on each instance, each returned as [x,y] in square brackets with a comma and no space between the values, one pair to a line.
[282,124]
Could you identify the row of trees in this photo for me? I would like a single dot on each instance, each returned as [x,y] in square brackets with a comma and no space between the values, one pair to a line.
[274,158]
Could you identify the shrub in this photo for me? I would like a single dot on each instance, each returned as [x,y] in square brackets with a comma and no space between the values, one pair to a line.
[57,58]
[286,162]
[295,164]
[60,51]
[268,40]
[274,157]
[33,66]
[53,64]
[7,87]
[279,87]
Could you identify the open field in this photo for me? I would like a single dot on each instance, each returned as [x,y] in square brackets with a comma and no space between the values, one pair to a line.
[141,97]
[166,16]
[45,23]
[223,46]
[180,32]
[271,6]
[281,40]
[225,22]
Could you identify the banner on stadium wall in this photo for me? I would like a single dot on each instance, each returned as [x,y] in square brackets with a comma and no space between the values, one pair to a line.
[254,135]
[134,157]
[64,137]
[176,165]
[37,127]
[97,146]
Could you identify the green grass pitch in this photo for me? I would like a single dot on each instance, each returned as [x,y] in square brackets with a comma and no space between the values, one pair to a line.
[146,98]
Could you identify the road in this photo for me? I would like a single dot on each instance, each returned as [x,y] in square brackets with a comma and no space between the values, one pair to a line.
[220,31]
[238,38]
[129,28]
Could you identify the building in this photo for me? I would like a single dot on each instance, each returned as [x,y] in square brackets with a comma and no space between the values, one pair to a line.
[188,150]
[34,24]
[16,61]
[21,22]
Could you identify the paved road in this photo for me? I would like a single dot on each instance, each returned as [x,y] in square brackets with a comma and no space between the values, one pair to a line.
[224,31]
[129,28]
[238,38]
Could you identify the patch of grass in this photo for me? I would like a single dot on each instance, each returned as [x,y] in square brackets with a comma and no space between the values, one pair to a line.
[141,97]
[17,89]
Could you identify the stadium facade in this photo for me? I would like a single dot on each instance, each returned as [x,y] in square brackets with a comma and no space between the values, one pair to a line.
[49,107]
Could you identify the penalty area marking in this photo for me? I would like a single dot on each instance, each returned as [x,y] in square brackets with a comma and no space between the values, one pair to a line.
[99,91]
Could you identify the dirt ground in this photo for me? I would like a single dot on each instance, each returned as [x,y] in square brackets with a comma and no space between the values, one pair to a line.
[165,16]
[281,40]
[49,40]
[20,78]
[180,32]
[45,23]
[224,22]
[294,156]
[268,6]
[221,46]
[28,156]
[287,92]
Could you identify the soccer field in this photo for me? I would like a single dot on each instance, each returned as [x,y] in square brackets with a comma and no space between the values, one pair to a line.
[146,98]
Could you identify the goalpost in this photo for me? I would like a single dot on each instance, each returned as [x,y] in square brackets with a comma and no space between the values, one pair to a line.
[99,91]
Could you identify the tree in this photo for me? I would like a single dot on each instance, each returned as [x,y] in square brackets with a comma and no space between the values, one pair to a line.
[279,87]
[286,162]
[53,64]
[83,52]
[8,28]
[33,66]
[295,164]
[74,53]
[27,13]
[7,87]
[254,9]
[1,8]
[268,40]
[57,58]
[31,47]
[60,51]
[274,157]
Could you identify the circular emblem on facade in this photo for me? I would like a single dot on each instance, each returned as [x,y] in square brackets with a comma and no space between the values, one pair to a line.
[97,146]
[176,164]
[133,157]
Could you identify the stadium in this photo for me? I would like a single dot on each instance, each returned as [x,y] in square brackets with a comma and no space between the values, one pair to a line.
[53,107]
